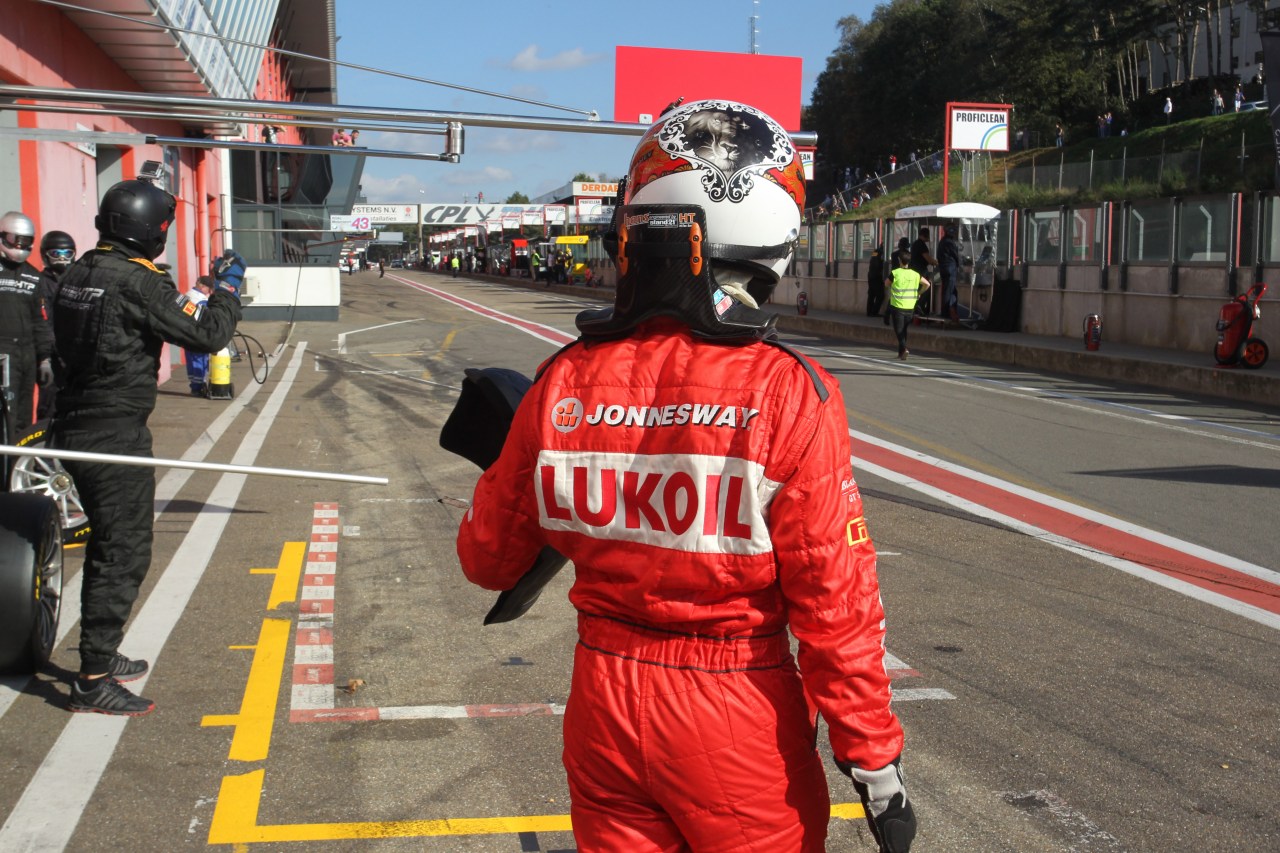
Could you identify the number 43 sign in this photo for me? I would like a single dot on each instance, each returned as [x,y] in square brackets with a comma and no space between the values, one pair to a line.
[355,224]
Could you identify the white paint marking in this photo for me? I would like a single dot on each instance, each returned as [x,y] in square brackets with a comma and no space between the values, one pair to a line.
[342,338]
[1223,602]
[312,654]
[166,490]
[920,694]
[1083,833]
[71,770]
[311,697]
[1080,403]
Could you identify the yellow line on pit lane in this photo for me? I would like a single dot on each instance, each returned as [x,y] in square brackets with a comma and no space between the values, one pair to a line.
[235,821]
[252,738]
[235,815]
[287,572]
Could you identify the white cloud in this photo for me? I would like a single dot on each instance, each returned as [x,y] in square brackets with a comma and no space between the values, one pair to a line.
[532,93]
[444,185]
[474,177]
[400,189]
[416,143]
[516,141]
[528,60]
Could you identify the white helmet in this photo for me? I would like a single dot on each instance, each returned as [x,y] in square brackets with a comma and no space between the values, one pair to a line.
[713,180]
[17,236]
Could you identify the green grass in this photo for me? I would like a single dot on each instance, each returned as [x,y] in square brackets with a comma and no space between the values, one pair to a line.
[1221,137]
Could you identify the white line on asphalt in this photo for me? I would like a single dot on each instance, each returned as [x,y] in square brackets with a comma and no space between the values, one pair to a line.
[549,334]
[1078,402]
[342,338]
[166,490]
[1082,833]
[71,770]
[1231,605]
[1102,519]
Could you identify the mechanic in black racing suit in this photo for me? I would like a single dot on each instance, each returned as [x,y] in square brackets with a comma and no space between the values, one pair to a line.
[58,251]
[24,336]
[114,311]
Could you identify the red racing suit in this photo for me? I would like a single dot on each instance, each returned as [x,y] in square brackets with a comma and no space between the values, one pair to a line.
[705,495]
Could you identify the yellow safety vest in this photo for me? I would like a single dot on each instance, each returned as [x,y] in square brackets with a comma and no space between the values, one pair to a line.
[905,289]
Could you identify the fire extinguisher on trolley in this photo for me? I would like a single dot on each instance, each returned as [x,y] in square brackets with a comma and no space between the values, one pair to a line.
[802,303]
[220,387]
[1092,331]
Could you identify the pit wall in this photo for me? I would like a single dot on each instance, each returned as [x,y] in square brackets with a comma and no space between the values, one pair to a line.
[292,293]
[1157,271]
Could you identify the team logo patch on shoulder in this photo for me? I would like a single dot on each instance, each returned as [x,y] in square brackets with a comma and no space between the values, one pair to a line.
[186,306]
[566,415]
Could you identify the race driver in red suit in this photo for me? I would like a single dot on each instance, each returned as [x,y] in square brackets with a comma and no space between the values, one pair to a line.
[697,473]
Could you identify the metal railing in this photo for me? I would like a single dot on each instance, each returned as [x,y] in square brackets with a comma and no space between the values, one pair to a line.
[1052,170]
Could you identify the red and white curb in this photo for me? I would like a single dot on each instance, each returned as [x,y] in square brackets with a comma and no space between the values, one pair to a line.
[313,642]
[313,694]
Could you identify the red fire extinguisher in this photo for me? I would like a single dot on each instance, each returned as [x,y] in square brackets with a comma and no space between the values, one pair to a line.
[1092,331]
[802,303]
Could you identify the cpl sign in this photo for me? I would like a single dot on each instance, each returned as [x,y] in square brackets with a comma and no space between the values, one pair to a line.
[455,215]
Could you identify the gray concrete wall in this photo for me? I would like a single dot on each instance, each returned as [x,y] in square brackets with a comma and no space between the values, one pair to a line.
[1138,303]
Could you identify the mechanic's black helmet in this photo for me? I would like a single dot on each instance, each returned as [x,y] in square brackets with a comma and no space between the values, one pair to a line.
[137,213]
[57,249]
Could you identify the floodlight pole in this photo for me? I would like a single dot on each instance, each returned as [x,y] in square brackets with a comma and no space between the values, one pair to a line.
[946,155]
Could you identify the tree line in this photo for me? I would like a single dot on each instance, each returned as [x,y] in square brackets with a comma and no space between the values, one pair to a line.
[885,88]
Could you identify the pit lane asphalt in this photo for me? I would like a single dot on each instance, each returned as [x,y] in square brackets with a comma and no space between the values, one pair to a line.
[990,769]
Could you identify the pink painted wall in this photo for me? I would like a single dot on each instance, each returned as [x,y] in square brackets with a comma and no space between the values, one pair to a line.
[40,46]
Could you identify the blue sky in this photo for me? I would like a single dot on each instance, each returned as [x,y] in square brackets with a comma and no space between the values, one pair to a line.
[555,51]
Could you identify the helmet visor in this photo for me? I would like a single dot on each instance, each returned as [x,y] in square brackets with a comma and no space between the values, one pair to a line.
[21,242]
[60,254]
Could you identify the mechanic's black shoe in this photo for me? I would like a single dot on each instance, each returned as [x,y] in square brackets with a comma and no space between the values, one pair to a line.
[108,697]
[125,669]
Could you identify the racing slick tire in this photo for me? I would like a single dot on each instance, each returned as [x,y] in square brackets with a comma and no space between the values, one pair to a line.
[30,580]
[35,475]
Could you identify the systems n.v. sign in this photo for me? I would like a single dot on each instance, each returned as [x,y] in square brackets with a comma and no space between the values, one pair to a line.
[978,127]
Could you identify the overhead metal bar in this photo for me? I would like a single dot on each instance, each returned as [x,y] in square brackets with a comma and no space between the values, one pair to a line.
[209,117]
[110,138]
[339,112]
[151,462]
[236,145]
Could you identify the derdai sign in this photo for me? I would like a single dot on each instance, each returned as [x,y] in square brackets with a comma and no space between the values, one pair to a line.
[978,127]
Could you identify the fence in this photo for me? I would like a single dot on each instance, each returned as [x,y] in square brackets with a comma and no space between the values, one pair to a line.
[971,169]
[1158,269]
[1050,171]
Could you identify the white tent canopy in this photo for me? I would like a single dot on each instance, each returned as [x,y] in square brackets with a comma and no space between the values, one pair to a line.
[968,212]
